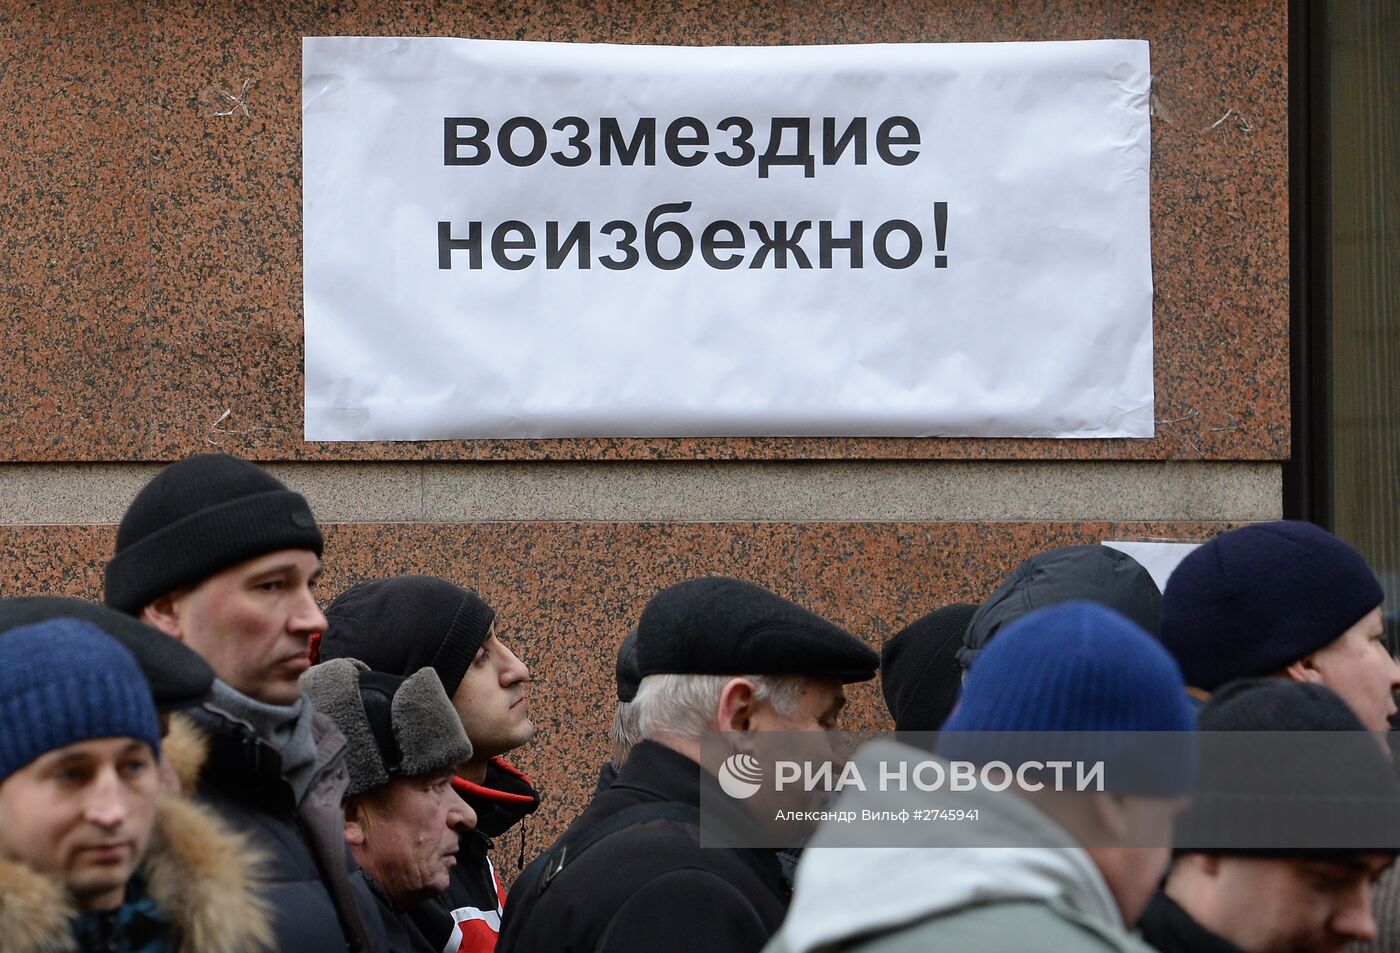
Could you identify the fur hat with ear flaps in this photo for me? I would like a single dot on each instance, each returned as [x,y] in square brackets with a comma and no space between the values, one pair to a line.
[394,726]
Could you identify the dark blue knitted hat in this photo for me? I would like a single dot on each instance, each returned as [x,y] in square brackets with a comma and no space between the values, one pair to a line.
[63,681]
[1253,600]
[1084,682]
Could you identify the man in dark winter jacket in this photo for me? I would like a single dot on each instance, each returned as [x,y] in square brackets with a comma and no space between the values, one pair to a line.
[402,816]
[92,856]
[630,873]
[406,623]
[217,553]
[1288,832]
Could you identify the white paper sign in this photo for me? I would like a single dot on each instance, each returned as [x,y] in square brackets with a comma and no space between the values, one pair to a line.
[571,240]
[1160,559]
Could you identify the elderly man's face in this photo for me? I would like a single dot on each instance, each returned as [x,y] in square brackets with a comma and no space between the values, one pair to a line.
[1359,667]
[818,708]
[404,835]
[1291,905]
[82,814]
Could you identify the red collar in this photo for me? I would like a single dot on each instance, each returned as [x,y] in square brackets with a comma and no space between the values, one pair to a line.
[463,786]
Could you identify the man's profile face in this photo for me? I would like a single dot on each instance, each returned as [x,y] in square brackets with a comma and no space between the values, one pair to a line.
[1292,905]
[802,735]
[492,700]
[252,622]
[1359,667]
[82,814]
[411,828]
[818,708]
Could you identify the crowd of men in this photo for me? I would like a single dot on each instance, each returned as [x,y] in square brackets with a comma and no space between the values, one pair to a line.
[211,763]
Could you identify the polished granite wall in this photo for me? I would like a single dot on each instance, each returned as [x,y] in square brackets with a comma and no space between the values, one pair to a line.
[150,307]
[150,288]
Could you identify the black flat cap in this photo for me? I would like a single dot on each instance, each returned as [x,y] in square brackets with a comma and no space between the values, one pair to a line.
[178,676]
[722,626]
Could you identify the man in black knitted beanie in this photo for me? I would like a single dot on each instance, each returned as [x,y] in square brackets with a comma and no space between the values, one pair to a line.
[218,554]
[919,671]
[1296,816]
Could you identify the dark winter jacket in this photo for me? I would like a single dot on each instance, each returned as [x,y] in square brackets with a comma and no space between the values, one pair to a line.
[649,886]
[197,896]
[607,774]
[1169,929]
[402,935]
[318,896]
[467,918]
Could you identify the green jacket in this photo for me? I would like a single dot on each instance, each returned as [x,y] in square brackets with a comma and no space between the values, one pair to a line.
[1002,927]
[1010,880]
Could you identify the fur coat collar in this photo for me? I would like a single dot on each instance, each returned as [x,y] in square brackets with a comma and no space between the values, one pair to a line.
[200,875]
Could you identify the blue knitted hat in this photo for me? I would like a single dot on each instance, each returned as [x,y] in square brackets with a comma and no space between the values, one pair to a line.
[1081,681]
[1253,600]
[63,681]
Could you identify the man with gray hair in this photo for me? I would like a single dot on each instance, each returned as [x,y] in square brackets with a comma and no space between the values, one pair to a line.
[624,732]
[402,815]
[630,873]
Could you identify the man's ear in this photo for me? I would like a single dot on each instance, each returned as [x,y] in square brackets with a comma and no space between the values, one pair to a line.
[1304,670]
[354,824]
[736,705]
[160,613]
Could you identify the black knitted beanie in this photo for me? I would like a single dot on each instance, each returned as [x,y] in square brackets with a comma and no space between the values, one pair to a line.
[401,624]
[200,516]
[919,670]
[1288,769]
